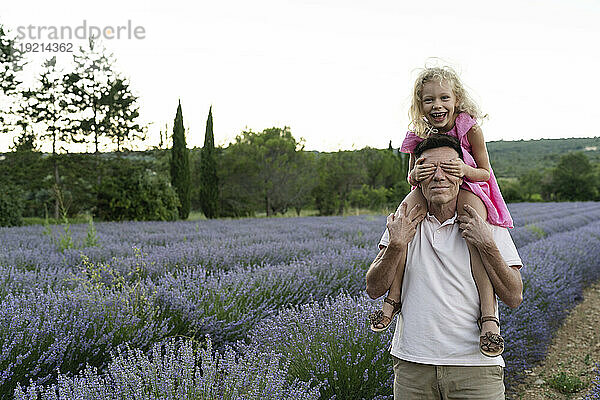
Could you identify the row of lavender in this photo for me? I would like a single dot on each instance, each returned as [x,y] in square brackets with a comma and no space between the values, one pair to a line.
[75,313]
[242,243]
[60,310]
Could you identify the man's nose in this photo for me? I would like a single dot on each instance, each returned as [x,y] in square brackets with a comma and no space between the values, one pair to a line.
[438,174]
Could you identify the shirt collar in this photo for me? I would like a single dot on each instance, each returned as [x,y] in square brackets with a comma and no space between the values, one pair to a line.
[449,221]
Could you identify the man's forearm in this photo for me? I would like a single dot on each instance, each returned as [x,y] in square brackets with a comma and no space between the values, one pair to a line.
[506,280]
[383,269]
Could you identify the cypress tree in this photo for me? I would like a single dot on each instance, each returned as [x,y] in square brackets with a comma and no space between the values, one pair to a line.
[209,191]
[180,166]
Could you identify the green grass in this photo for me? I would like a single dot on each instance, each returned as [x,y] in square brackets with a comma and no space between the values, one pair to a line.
[536,197]
[195,216]
[539,232]
[566,383]
[199,216]
[80,219]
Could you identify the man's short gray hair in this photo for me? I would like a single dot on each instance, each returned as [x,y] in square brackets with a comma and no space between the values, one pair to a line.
[438,140]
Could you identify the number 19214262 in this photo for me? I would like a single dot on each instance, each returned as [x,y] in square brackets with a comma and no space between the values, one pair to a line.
[46,47]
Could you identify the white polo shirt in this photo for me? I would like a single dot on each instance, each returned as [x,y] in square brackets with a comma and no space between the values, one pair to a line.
[440,302]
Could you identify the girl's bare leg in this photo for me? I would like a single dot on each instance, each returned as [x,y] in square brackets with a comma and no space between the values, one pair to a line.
[413,198]
[482,280]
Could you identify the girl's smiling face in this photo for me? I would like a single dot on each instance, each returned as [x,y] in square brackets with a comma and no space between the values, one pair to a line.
[438,103]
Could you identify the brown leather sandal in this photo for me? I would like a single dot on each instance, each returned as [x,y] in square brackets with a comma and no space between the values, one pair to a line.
[490,344]
[380,322]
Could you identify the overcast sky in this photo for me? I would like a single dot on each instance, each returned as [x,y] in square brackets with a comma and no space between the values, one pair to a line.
[340,72]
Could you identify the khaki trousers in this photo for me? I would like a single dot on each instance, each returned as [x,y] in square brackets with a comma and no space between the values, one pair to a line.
[414,381]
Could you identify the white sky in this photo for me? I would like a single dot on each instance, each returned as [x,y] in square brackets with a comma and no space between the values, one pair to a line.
[340,72]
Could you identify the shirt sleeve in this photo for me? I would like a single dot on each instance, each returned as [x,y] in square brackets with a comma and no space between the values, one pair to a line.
[385,239]
[507,247]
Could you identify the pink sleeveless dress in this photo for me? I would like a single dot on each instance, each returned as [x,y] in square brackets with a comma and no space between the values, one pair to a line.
[488,192]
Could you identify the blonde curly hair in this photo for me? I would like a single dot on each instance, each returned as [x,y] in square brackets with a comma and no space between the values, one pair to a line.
[464,103]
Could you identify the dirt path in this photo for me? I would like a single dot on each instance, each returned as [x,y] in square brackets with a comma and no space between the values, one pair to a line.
[574,351]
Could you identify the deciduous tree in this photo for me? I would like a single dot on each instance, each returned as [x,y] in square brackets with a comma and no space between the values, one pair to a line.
[530,183]
[262,171]
[122,112]
[339,173]
[87,89]
[48,113]
[273,153]
[573,178]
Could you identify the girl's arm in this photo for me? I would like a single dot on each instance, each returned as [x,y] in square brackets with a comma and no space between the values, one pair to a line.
[459,169]
[411,166]
[480,155]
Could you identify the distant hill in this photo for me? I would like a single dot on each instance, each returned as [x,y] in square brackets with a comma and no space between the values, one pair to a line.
[511,159]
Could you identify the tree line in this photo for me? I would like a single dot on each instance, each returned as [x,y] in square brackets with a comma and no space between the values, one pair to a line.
[270,172]
[266,172]
[574,178]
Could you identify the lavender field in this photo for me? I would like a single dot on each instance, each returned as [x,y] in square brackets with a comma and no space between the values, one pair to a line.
[243,309]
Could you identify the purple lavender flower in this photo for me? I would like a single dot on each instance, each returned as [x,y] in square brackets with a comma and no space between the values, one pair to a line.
[594,393]
[178,369]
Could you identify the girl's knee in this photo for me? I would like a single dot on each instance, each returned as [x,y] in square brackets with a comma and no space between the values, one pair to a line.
[467,197]
[413,198]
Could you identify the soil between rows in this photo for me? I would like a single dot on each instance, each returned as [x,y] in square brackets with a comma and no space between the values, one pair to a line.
[574,351]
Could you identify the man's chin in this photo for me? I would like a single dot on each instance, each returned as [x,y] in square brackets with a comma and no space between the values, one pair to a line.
[440,198]
[438,195]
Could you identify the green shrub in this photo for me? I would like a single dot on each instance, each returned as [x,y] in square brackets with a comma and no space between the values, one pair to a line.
[397,193]
[539,232]
[91,238]
[134,193]
[11,206]
[327,201]
[511,191]
[368,197]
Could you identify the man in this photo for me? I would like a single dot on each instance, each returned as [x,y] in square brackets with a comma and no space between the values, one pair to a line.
[436,343]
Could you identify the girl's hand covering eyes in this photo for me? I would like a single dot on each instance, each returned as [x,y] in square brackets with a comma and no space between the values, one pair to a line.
[422,171]
[454,167]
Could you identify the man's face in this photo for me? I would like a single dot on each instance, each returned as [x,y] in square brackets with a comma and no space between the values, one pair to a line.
[441,187]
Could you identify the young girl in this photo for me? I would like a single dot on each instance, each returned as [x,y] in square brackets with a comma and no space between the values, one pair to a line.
[441,104]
